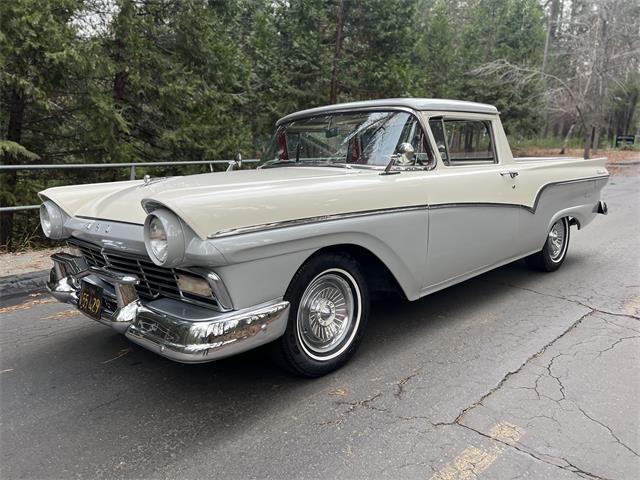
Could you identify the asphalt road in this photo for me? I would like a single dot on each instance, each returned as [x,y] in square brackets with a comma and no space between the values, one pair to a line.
[514,374]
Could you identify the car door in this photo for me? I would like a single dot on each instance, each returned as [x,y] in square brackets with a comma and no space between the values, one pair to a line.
[472,217]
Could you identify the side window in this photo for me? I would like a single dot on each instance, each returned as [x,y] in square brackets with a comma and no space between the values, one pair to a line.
[412,133]
[469,141]
[437,128]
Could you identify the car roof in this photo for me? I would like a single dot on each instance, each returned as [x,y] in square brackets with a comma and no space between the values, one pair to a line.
[436,104]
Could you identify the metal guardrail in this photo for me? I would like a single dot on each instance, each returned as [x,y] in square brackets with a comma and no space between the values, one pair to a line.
[131,166]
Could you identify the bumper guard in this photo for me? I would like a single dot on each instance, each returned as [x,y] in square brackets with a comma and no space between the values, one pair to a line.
[176,337]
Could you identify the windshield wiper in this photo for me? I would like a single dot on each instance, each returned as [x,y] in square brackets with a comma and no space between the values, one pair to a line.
[306,163]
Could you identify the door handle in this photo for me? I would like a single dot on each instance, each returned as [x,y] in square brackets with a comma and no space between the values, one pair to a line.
[511,173]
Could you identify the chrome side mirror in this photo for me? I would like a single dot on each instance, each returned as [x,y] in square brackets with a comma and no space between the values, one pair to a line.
[406,154]
[443,151]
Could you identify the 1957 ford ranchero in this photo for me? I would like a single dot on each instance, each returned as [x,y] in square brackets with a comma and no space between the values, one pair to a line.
[411,195]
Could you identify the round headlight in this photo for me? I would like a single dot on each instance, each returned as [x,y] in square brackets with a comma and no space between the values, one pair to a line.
[164,238]
[158,239]
[52,220]
[45,220]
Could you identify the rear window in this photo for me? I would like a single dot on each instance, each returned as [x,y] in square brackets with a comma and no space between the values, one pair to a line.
[464,142]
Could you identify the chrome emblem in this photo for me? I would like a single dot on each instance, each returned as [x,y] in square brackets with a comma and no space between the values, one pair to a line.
[97,226]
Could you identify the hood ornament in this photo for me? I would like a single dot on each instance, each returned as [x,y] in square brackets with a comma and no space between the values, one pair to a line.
[149,180]
[236,163]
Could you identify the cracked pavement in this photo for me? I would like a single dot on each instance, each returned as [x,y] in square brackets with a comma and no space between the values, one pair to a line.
[513,374]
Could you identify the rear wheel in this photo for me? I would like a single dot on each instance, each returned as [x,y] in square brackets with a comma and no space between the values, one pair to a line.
[552,255]
[329,302]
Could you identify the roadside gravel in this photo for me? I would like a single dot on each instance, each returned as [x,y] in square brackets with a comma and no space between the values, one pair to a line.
[25,262]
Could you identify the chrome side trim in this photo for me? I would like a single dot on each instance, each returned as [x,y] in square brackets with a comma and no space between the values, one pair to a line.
[439,206]
[381,211]
[106,220]
[308,220]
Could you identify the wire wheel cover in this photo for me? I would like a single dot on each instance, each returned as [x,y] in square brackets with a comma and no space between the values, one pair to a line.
[326,312]
[556,240]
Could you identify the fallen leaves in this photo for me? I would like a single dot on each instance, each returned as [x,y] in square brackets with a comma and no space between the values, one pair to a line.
[26,306]
[62,315]
[340,392]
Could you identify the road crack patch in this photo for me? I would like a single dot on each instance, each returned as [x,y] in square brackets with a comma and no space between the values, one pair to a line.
[606,427]
[577,302]
[400,385]
[517,370]
[616,343]
[352,407]
[570,467]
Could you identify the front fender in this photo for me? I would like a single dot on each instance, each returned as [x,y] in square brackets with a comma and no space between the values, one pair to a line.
[262,264]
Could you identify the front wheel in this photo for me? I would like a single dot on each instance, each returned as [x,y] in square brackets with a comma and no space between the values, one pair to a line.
[329,309]
[552,255]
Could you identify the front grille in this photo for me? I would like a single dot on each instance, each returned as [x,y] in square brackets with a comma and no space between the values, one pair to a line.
[155,281]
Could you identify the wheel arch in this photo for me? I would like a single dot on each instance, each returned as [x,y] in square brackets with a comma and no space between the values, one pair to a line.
[379,276]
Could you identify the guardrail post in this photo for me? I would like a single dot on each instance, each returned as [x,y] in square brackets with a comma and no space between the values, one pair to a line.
[132,174]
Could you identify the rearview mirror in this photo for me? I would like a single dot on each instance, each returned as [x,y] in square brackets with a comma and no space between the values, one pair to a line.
[331,132]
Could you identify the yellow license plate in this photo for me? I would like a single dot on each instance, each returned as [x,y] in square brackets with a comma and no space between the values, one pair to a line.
[90,300]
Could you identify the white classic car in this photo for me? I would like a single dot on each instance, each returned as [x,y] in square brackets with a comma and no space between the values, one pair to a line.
[408,195]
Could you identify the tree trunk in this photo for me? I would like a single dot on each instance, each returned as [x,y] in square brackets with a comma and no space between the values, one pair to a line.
[551,28]
[630,112]
[333,96]
[609,129]
[14,134]
[596,139]
[121,75]
[588,138]
[567,137]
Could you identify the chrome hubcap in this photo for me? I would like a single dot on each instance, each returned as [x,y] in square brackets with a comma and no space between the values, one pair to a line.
[325,314]
[556,239]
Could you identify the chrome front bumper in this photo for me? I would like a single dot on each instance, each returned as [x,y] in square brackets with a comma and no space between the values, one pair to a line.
[174,329]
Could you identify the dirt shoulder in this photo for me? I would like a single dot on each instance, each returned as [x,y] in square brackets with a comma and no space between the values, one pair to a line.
[25,262]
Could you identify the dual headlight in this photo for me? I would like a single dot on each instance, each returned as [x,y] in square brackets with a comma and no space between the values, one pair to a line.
[163,233]
[52,220]
[164,238]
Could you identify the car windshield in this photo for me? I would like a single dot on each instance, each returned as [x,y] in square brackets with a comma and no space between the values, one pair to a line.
[356,138]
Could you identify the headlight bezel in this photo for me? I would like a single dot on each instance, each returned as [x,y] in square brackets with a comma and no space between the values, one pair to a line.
[52,221]
[174,238]
[158,239]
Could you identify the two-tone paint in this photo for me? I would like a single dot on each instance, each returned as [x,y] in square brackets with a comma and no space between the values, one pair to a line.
[431,227]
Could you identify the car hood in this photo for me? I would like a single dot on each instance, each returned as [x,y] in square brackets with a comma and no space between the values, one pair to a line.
[216,202]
